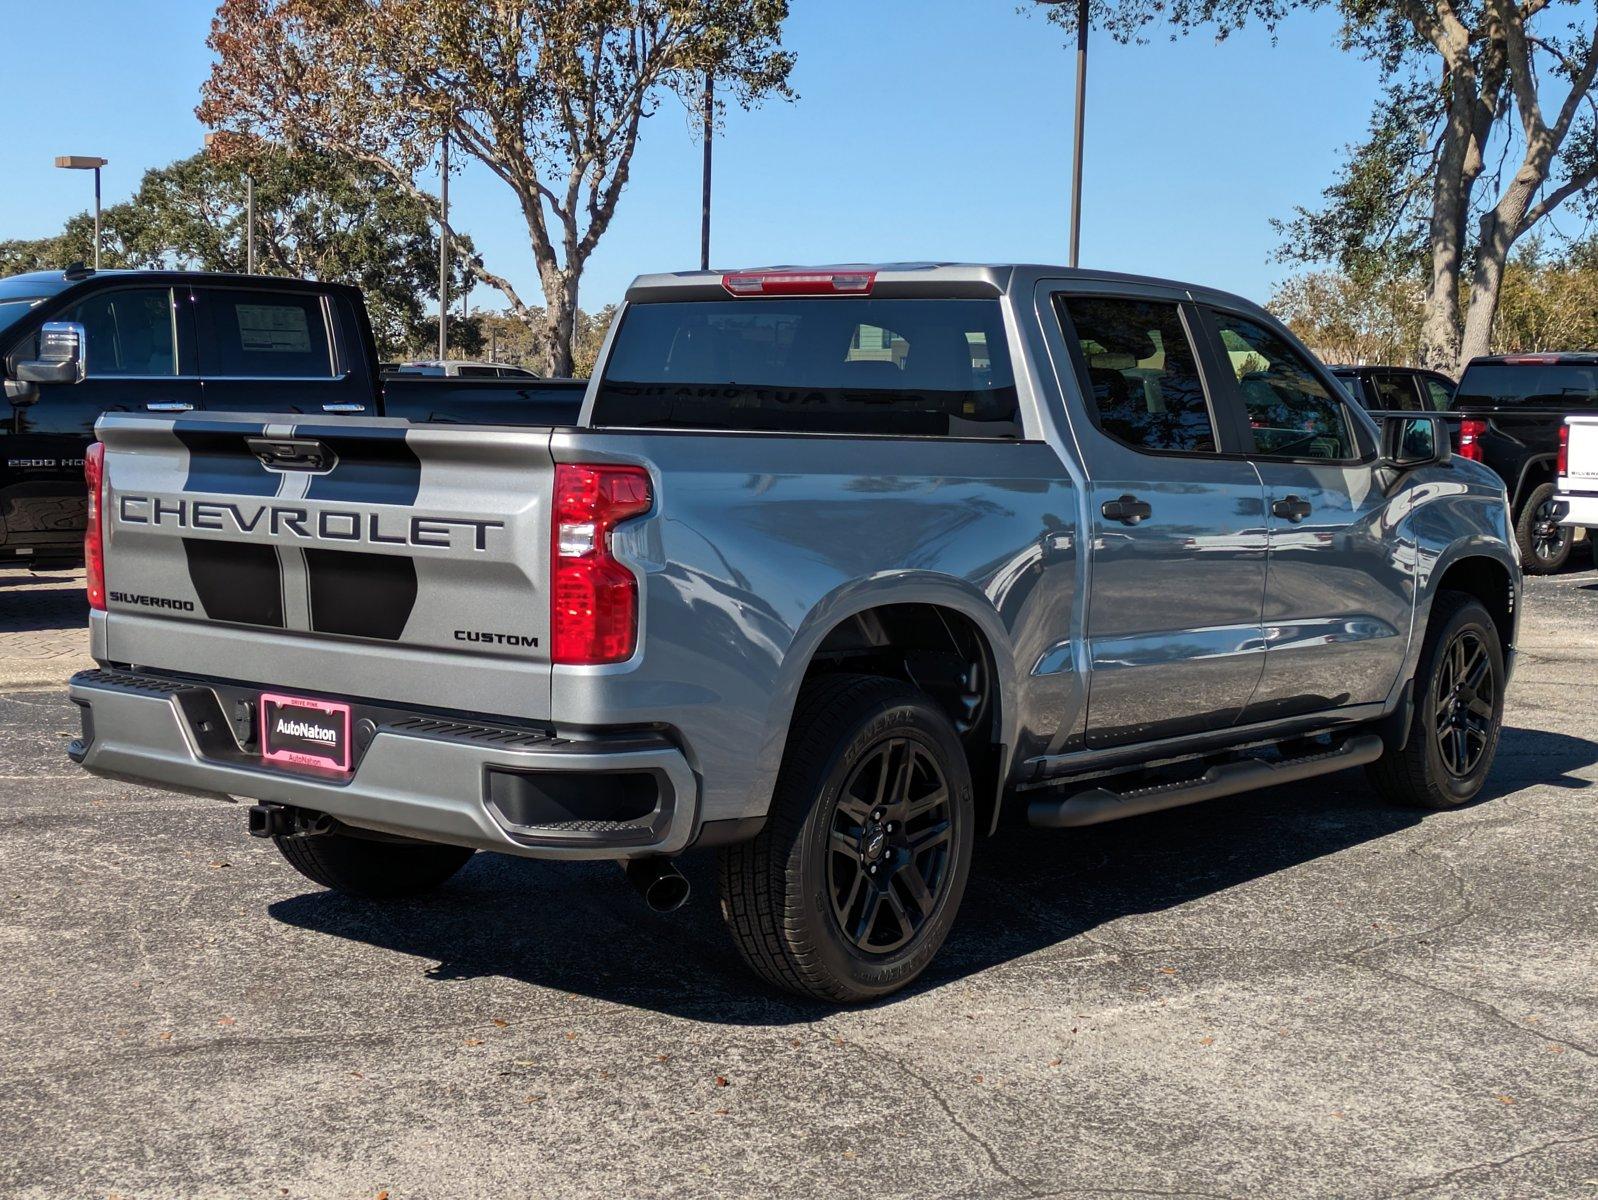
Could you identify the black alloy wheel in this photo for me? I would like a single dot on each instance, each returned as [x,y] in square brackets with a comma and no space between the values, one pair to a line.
[851,886]
[1464,697]
[1457,715]
[888,855]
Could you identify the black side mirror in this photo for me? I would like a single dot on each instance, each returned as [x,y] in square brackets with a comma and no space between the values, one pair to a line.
[62,355]
[1412,440]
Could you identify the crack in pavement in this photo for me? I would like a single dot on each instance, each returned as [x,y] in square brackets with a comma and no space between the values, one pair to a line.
[1489,1165]
[959,1123]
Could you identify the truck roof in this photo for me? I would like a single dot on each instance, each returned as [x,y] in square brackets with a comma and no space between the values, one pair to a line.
[1537,358]
[50,283]
[901,279]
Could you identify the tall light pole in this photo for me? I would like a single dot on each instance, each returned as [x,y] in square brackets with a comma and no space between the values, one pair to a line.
[704,198]
[1081,122]
[84,162]
[443,252]
[216,142]
[249,224]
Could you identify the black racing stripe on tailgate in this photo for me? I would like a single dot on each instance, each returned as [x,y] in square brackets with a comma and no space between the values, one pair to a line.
[376,466]
[220,461]
[360,595]
[241,582]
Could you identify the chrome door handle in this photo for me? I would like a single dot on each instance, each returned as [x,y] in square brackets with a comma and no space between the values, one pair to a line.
[1128,510]
[343,406]
[169,406]
[1291,508]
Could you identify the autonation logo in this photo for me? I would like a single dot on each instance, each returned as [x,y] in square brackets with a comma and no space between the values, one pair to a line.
[308,731]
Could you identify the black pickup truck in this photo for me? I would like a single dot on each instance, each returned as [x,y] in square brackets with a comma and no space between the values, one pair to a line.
[79,343]
[1510,410]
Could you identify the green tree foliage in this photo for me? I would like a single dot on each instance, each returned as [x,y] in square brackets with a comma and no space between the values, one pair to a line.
[318,216]
[548,95]
[1548,301]
[1484,127]
[1374,318]
[515,340]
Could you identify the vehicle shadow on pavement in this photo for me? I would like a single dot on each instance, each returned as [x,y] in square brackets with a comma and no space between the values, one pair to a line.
[578,928]
[44,601]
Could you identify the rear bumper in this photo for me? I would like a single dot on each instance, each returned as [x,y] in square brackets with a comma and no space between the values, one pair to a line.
[1576,508]
[514,790]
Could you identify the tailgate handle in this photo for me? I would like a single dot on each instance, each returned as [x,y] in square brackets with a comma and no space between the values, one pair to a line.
[292,454]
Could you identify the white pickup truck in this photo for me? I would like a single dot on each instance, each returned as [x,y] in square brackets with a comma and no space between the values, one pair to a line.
[1576,501]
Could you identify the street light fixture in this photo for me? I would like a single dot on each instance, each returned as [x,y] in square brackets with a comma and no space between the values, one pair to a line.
[1081,109]
[85,162]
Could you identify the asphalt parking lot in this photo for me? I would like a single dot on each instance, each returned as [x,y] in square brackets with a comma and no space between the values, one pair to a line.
[1297,993]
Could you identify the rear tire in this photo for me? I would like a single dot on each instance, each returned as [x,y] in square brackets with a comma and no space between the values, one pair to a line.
[366,867]
[1459,711]
[850,889]
[1544,543]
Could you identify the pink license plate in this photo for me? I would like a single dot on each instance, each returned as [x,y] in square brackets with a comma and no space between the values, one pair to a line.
[306,733]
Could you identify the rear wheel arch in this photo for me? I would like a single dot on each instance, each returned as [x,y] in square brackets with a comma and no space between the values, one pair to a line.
[1534,472]
[942,647]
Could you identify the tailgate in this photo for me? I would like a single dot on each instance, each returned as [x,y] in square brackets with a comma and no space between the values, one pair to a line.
[362,557]
[1581,472]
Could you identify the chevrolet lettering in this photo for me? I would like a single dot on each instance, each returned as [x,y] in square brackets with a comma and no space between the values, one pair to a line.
[321,524]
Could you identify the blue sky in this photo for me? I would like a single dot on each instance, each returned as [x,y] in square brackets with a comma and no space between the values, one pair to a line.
[924,129]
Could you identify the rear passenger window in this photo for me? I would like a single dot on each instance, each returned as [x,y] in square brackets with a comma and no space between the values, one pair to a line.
[271,335]
[1291,413]
[1142,378]
[1439,396]
[1394,393]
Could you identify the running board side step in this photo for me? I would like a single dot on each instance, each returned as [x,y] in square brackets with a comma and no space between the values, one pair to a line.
[1097,805]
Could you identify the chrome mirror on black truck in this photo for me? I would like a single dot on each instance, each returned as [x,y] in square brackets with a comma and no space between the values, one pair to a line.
[62,354]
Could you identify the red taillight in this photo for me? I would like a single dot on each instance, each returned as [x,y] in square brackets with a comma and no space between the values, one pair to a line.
[800,283]
[593,599]
[1564,450]
[1471,432]
[94,527]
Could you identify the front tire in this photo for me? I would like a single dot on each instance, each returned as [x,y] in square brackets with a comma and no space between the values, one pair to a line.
[1544,543]
[850,889]
[372,869]
[1459,711]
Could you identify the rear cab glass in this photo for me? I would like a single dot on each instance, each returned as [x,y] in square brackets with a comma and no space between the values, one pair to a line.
[1553,385]
[832,365]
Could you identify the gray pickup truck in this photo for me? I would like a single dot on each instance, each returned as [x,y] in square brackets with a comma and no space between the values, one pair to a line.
[836,568]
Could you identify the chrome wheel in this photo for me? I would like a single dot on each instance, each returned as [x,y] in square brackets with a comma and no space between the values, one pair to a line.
[1465,698]
[1549,539]
[888,850]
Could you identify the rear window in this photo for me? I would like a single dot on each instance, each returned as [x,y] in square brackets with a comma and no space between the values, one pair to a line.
[1561,386]
[916,368]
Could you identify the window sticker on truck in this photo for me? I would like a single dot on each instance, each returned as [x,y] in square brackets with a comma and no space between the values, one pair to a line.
[273,328]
